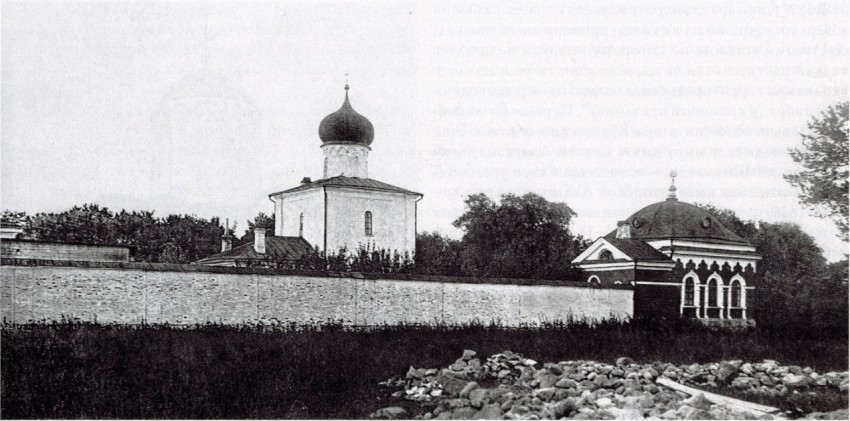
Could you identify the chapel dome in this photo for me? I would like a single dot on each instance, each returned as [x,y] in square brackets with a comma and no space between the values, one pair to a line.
[672,219]
[346,126]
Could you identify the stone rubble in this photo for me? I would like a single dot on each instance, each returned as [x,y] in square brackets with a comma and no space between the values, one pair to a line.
[509,386]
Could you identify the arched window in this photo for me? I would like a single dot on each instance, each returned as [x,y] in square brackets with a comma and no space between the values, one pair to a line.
[712,293]
[368,222]
[736,293]
[689,292]
[301,225]
[593,279]
[326,167]
[606,255]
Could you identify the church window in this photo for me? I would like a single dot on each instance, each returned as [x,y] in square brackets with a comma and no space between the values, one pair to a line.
[593,279]
[606,255]
[368,222]
[301,225]
[689,292]
[712,293]
[736,294]
[326,168]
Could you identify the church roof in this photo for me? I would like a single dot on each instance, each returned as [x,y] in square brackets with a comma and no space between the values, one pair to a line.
[346,126]
[672,219]
[277,248]
[350,182]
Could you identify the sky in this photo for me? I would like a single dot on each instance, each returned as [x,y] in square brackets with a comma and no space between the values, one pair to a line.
[206,107]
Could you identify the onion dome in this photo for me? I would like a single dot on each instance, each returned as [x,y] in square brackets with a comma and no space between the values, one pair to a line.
[346,126]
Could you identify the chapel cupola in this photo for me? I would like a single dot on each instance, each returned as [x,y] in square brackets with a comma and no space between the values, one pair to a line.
[346,136]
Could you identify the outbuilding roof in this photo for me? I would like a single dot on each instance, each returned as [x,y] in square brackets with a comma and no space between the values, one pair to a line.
[637,249]
[277,248]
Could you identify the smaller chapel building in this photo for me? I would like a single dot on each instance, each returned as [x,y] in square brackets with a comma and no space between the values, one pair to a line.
[681,261]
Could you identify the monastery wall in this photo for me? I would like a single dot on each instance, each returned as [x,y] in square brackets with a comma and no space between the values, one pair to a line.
[29,249]
[185,294]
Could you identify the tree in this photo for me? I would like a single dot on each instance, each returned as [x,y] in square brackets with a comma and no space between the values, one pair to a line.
[796,292]
[173,239]
[89,224]
[438,255]
[745,229]
[824,157]
[189,238]
[260,221]
[521,237]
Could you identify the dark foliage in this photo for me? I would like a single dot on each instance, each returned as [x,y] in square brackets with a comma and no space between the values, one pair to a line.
[260,221]
[797,292]
[172,239]
[823,183]
[365,260]
[328,371]
[438,255]
[520,237]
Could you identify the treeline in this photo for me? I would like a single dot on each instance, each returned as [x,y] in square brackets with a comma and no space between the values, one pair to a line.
[797,290]
[519,237]
[169,239]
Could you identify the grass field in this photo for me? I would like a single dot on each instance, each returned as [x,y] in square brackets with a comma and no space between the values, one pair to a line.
[93,371]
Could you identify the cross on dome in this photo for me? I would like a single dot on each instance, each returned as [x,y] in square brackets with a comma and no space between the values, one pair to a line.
[672,189]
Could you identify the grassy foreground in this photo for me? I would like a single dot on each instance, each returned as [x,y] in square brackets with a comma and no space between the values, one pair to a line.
[94,371]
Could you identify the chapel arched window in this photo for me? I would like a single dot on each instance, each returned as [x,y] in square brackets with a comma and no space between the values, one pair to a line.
[606,255]
[301,225]
[689,292]
[712,293]
[368,222]
[736,293]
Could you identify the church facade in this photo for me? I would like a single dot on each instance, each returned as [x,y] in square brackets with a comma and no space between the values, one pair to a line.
[345,209]
[681,261]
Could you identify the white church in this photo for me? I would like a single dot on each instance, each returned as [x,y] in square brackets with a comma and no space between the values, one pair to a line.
[344,209]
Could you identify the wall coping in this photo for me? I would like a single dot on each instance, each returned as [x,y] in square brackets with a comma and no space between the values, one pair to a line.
[176,267]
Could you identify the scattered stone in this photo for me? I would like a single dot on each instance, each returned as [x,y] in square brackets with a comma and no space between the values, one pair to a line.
[464,393]
[840,414]
[450,384]
[546,394]
[698,401]
[593,390]
[477,397]
[389,413]
[565,407]
[624,361]
[464,413]
[726,372]
[795,380]
[488,412]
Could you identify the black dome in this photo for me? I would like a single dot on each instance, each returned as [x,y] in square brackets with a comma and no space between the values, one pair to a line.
[346,126]
[674,219]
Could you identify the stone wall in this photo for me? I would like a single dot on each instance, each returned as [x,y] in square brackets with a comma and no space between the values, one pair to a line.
[186,294]
[30,249]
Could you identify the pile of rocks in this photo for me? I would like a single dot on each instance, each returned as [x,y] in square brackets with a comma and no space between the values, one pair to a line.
[767,377]
[508,386]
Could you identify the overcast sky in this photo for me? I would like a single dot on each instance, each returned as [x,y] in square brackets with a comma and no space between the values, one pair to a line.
[207,107]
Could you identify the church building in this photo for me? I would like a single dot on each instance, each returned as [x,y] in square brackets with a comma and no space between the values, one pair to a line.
[343,209]
[681,260]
